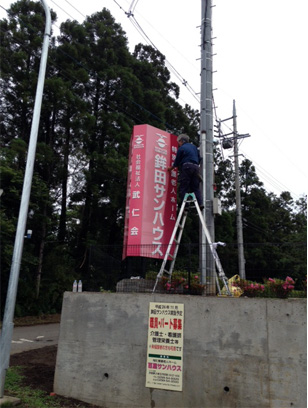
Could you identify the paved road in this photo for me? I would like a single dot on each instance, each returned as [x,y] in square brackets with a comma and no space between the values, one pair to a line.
[33,337]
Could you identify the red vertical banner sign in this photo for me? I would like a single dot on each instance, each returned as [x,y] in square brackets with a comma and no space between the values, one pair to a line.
[150,212]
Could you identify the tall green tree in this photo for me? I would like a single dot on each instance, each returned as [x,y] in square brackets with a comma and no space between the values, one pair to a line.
[21,42]
[95,92]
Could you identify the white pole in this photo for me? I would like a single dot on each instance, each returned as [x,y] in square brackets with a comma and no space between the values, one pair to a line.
[7,327]
[206,134]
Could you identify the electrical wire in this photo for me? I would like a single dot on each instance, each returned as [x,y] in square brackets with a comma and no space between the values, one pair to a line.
[167,125]
[141,31]
[168,64]
[4,9]
[62,10]
[78,11]
[132,6]
[271,180]
[276,184]
[148,40]
[67,76]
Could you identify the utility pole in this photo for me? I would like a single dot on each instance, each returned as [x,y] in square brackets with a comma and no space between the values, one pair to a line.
[228,143]
[206,133]
[8,325]
[239,224]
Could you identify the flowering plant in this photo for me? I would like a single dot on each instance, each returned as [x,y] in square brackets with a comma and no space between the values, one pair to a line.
[179,284]
[250,289]
[196,287]
[271,288]
[279,288]
[175,285]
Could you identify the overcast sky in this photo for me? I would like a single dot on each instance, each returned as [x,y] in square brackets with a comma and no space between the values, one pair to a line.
[260,59]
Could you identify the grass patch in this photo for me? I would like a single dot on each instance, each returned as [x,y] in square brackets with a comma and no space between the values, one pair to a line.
[29,397]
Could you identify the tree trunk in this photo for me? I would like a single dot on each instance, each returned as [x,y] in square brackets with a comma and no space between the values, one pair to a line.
[41,256]
[62,222]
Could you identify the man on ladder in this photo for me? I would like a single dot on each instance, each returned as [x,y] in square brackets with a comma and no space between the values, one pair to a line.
[188,159]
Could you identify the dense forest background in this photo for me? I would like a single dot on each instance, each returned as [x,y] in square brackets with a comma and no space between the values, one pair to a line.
[95,92]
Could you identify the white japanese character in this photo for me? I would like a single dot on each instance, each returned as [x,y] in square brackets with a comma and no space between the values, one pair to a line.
[160,162]
[135,212]
[158,215]
[134,231]
[160,177]
[136,194]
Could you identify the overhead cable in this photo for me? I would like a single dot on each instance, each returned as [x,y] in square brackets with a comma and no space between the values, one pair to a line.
[141,31]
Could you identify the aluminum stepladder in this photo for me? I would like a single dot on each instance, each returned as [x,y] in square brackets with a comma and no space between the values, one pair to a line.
[175,239]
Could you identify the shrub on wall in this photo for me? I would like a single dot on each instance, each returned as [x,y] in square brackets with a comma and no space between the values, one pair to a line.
[273,288]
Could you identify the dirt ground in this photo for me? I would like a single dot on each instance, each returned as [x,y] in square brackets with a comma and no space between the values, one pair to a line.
[38,370]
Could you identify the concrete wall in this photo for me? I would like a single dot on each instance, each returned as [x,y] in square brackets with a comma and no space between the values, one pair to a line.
[238,352]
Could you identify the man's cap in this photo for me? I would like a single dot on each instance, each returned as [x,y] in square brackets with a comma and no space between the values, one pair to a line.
[183,138]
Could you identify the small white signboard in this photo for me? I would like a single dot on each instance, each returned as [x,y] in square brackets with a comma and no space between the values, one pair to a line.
[164,368]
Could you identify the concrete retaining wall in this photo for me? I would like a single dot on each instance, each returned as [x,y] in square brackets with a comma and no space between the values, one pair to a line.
[238,352]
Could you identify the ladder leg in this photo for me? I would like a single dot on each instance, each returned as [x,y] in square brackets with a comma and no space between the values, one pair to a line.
[171,242]
[221,273]
[178,240]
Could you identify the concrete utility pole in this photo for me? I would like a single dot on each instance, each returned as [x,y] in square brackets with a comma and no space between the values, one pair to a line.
[206,133]
[239,224]
[7,327]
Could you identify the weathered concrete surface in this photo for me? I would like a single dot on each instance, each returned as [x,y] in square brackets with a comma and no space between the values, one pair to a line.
[9,401]
[243,353]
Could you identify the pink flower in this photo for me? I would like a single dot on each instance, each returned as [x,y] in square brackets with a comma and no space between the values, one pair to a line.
[168,285]
[286,286]
[271,280]
[196,277]
[289,280]
[186,286]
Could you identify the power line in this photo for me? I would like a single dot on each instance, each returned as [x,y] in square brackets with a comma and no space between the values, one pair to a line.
[270,179]
[167,125]
[267,176]
[149,41]
[264,173]
[63,10]
[78,11]
[69,77]
[141,31]
[137,26]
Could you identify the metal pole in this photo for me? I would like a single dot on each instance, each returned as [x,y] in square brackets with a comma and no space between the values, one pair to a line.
[239,225]
[7,327]
[206,134]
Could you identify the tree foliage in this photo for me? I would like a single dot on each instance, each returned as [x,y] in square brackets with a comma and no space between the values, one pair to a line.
[95,92]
